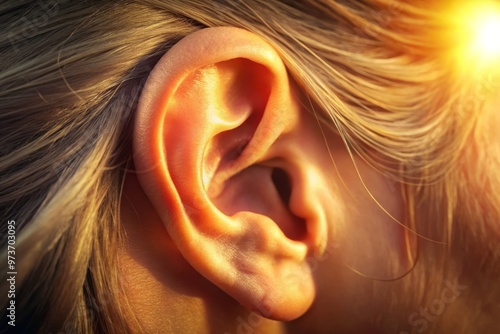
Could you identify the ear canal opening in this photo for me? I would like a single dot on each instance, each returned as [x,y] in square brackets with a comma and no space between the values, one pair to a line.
[283,184]
[296,228]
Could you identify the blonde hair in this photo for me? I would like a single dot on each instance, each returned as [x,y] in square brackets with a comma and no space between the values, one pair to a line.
[377,71]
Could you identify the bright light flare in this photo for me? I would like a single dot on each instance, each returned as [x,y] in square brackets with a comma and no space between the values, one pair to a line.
[476,34]
[472,33]
[486,34]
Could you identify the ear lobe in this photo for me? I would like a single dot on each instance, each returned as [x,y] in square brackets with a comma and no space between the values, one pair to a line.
[210,118]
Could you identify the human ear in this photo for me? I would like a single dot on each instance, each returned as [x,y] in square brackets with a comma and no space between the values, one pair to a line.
[216,130]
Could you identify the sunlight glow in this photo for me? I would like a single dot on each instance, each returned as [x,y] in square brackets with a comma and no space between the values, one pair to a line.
[486,34]
[475,33]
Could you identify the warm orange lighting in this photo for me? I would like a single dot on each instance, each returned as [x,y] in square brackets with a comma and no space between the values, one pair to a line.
[475,30]
[486,34]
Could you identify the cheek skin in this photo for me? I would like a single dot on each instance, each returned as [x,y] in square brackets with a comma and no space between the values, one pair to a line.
[369,238]
[364,211]
[364,241]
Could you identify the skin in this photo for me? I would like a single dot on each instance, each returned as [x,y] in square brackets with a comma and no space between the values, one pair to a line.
[297,240]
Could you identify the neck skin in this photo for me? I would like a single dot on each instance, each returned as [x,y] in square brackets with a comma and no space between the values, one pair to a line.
[164,292]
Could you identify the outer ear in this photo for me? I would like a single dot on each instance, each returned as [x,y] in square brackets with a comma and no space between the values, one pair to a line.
[213,127]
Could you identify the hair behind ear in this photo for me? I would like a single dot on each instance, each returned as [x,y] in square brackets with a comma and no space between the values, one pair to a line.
[70,95]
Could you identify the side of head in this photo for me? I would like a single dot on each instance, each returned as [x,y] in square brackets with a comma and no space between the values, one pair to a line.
[278,159]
